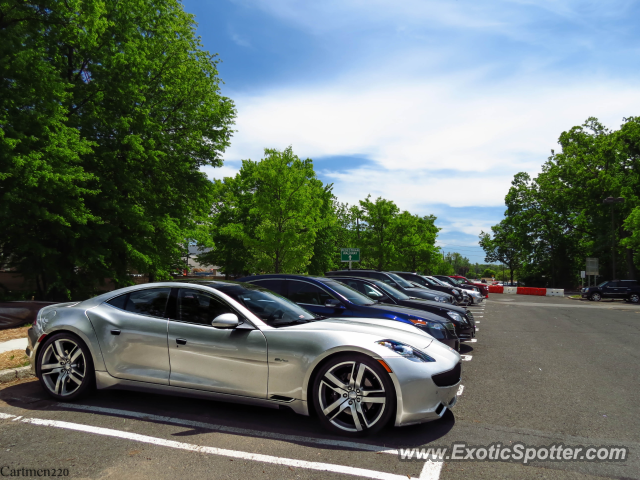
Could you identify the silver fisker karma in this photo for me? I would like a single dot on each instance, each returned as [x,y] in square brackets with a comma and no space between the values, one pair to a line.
[240,343]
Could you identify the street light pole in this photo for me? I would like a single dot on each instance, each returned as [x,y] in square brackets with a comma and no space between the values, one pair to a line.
[611,201]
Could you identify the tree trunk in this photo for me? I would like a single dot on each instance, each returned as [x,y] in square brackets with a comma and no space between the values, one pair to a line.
[631,266]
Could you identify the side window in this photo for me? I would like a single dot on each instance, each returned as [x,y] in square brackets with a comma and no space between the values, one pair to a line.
[273,285]
[148,302]
[303,292]
[612,284]
[372,292]
[196,306]
[119,302]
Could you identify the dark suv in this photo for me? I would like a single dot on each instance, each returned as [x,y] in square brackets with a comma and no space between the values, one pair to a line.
[628,290]
[398,283]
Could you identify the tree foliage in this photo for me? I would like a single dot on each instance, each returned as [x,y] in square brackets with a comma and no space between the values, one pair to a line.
[109,109]
[556,220]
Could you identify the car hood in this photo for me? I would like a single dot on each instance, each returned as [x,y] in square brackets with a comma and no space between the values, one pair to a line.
[420,303]
[409,311]
[423,292]
[376,327]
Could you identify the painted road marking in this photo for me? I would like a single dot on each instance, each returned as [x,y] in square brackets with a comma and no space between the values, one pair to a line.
[431,470]
[108,432]
[460,390]
[477,322]
[225,429]
[466,358]
[473,340]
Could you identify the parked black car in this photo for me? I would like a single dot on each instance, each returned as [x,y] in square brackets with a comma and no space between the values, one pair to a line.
[398,283]
[328,298]
[427,282]
[384,293]
[628,290]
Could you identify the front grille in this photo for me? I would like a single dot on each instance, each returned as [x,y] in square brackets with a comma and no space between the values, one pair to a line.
[448,378]
[472,320]
[450,327]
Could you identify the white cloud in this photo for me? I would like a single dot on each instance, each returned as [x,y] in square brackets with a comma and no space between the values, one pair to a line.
[413,128]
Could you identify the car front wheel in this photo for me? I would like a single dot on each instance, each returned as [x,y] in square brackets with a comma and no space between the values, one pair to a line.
[596,297]
[353,395]
[634,298]
[64,366]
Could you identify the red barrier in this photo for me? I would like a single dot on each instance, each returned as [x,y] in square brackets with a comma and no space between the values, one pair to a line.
[521,291]
[496,289]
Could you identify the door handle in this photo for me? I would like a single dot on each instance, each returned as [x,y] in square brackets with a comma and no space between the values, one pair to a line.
[181,341]
[115,332]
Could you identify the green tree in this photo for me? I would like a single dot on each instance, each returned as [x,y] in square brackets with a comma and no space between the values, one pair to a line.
[273,209]
[488,273]
[378,231]
[504,246]
[110,109]
[414,242]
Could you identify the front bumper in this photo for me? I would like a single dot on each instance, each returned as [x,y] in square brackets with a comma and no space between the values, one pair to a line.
[420,400]
[31,351]
[465,333]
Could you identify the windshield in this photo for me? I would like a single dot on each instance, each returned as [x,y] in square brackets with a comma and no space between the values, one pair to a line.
[269,307]
[392,292]
[452,281]
[603,283]
[400,281]
[349,293]
[440,282]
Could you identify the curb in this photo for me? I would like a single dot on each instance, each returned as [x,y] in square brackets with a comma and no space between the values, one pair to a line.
[12,374]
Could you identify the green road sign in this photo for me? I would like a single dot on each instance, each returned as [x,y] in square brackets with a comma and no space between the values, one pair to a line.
[349,254]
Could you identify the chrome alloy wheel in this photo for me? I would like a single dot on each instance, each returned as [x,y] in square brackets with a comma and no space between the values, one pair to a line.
[596,297]
[63,367]
[634,298]
[352,396]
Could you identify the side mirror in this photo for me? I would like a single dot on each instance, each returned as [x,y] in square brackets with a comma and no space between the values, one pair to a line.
[333,303]
[226,320]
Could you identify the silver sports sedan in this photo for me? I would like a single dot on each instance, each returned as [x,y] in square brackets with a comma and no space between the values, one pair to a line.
[241,343]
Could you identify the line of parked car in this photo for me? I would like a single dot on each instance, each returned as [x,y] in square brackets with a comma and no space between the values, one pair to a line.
[359,349]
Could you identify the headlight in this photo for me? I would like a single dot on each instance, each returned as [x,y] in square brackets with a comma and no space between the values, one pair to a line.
[455,316]
[406,351]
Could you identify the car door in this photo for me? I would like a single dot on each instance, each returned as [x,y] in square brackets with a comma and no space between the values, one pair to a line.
[313,298]
[610,290]
[232,361]
[132,332]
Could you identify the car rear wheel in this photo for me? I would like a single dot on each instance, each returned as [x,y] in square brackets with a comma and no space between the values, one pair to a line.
[353,395]
[64,367]
[596,297]
[634,298]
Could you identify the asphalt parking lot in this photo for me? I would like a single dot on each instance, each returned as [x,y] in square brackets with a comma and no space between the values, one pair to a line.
[544,370]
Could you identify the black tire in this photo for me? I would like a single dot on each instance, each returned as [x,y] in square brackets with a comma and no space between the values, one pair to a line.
[595,297]
[634,298]
[65,367]
[339,398]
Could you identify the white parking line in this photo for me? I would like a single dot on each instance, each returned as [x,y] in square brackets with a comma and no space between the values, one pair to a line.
[460,390]
[431,470]
[477,329]
[225,429]
[466,358]
[477,322]
[324,467]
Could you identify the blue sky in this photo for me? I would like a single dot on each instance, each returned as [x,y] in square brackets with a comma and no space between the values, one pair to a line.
[433,104]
